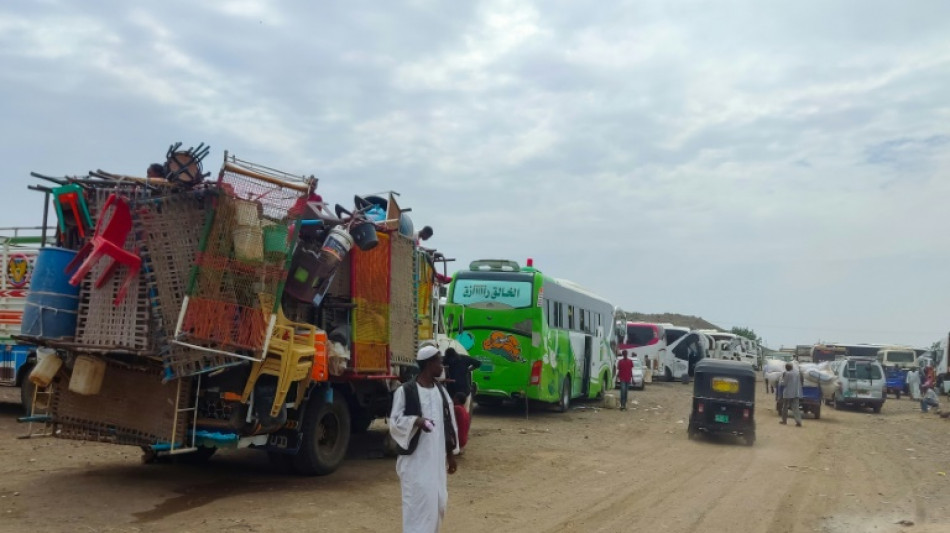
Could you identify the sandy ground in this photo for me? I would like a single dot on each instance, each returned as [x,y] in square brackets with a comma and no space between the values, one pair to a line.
[591,469]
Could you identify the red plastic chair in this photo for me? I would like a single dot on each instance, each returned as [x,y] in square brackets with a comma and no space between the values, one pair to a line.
[109,240]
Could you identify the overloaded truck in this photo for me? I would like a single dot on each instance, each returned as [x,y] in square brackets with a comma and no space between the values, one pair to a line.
[239,312]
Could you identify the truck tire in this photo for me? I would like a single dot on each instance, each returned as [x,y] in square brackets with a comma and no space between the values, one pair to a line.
[667,374]
[817,411]
[27,390]
[326,436]
[876,408]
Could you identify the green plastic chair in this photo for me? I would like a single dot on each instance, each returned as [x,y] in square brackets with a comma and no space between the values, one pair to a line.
[73,196]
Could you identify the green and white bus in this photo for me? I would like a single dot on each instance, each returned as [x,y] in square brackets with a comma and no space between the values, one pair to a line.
[538,338]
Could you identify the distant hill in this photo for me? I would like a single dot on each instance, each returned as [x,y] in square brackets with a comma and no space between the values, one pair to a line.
[689,321]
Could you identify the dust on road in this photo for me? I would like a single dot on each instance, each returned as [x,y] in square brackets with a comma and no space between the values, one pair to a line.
[588,470]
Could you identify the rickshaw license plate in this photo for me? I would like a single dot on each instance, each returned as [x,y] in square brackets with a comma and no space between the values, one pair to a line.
[722,418]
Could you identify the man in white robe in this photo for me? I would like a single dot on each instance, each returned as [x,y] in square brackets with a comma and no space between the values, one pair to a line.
[422,474]
[913,383]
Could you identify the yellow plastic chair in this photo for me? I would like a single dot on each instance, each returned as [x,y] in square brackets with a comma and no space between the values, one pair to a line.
[289,356]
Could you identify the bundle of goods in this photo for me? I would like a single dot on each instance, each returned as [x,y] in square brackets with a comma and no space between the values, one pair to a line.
[821,375]
[773,369]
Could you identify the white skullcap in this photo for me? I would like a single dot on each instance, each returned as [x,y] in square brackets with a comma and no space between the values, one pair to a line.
[427,352]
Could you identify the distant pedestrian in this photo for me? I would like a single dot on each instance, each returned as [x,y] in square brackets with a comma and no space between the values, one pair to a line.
[929,399]
[462,418]
[625,376]
[422,423]
[458,369]
[791,394]
[913,383]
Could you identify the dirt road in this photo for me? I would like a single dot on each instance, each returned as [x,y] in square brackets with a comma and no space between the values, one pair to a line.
[588,470]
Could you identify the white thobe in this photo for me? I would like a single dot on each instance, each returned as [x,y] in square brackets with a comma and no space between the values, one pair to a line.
[422,474]
[913,383]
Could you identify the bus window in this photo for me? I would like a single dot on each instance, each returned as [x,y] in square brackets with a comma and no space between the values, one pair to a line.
[558,315]
[583,322]
[570,317]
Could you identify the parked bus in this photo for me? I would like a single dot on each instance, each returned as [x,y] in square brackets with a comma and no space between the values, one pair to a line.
[538,338]
[821,353]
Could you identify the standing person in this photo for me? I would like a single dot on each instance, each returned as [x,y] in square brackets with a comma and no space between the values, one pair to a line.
[791,394]
[422,423]
[625,376]
[913,383]
[458,369]
[463,419]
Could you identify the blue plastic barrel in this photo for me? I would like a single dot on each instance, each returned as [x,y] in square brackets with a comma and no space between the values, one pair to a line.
[52,302]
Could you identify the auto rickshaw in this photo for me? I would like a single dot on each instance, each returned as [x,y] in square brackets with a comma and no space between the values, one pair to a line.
[723,399]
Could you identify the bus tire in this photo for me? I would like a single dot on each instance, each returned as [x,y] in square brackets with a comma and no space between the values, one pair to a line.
[27,390]
[564,401]
[326,435]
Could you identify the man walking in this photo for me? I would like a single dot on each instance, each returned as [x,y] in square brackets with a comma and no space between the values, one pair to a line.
[458,369]
[791,394]
[422,423]
[625,376]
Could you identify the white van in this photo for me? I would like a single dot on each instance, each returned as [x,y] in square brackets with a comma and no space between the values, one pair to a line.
[861,383]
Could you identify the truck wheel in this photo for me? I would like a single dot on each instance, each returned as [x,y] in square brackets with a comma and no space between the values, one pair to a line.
[817,411]
[27,390]
[667,374]
[326,436]
[876,408]
[898,394]
[838,405]
[564,402]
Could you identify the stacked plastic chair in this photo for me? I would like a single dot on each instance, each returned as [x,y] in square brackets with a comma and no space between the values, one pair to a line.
[289,356]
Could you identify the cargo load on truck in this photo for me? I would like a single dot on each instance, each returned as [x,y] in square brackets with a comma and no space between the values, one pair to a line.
[228,313]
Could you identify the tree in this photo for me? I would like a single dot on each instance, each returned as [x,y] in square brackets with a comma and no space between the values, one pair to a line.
[748,333]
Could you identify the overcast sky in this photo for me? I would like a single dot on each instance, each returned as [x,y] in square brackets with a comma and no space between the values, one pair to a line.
[783,166]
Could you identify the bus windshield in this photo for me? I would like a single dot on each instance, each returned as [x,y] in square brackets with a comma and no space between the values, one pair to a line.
[900,357]
[492,293]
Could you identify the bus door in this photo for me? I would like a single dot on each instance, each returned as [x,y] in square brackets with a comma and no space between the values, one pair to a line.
[588,360]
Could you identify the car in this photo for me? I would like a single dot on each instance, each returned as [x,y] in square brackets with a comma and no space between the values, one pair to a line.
[638,381]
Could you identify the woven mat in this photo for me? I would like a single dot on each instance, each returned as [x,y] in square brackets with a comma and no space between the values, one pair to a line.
[134,407]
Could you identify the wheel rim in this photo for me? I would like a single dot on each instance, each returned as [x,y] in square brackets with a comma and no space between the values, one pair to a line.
[328,433]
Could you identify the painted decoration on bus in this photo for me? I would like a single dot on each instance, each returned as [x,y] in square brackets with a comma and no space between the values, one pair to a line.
[18,270]
[466,339]
[504,345]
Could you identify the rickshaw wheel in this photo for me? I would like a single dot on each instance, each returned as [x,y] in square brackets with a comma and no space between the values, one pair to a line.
[749,439]
[690,432]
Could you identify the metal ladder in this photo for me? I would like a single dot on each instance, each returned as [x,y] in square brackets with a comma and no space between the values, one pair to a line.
[182,411]
[40,418]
